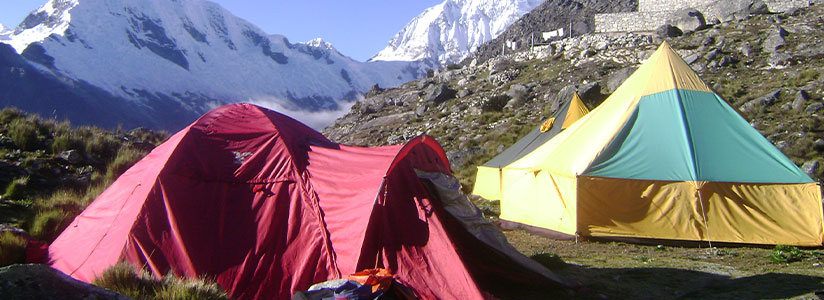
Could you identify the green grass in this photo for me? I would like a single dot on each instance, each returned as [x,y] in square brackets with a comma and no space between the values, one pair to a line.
[12,249]
[137,283]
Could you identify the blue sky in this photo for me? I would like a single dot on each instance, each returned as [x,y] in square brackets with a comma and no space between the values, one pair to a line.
[357,28]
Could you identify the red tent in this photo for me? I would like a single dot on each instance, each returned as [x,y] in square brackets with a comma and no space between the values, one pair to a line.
[268,206]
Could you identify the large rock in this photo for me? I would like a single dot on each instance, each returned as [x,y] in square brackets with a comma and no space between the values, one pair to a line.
[800,99]
[439,93]
[810,167]
[688,20]
[43,282]
[730,10]
[618,77]
[668,31]
[518,92]
[71,156]
[775,39]
[591,93]
[457,158]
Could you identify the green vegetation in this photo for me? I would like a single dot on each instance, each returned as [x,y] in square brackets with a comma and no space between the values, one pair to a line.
[49,190]
[12,249]
[127,280]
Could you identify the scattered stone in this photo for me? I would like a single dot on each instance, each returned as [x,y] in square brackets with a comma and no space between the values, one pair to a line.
[71,156]
[373,91]
[692,58]
[457,158]
[800,99]
[439,93]
[725,61]
[818,145]
[712,54]
[781,145]
[746,50]
[775,40]
[769,98]
[814,108]
[810,167]
[421,110]
[423,83]
[464,93]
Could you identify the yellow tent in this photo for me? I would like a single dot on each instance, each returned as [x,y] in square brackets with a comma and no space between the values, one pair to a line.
[488,177]
[664,157]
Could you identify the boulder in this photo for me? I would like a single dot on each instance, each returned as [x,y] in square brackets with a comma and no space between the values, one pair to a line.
[774,40]
[810,167]
[732,10]
[769,98]
[618,77]
[814,108]
[423,83]
[373,91]
[439,93]
[692,58]
[688,20]
[668,31]
[818,145]
[800,99]
[421,110]
[464,93]
[71,156]
[746,50]
[42,282]
[518,92]
[457,158]
[590,93]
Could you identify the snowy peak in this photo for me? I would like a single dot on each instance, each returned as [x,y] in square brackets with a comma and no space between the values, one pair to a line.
[192,53]
[448,32]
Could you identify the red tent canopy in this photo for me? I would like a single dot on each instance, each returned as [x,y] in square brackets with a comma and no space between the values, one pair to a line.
[268,206]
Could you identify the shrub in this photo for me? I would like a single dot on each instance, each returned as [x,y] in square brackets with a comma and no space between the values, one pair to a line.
[64,141]
[127,280]
[124,279]
[125,159]
[12,249]
[49,223]
[16,189]
[11,113]
[24,134]
[102,147]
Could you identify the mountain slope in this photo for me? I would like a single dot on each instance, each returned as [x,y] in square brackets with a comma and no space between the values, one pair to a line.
[552,15]
[192,52]
[448,32]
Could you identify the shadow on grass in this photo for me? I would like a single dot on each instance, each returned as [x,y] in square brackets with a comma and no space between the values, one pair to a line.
[669,283]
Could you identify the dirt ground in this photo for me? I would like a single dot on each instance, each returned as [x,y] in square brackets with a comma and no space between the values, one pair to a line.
[618,270]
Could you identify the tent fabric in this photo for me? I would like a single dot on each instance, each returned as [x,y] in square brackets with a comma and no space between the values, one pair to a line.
[267,206]
[488,177]
[664,157]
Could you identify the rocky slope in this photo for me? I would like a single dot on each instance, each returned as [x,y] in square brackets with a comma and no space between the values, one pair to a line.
[552,15]
[448,32]
[768,66]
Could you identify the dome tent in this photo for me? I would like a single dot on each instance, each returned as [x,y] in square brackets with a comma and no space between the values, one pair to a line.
[267,206]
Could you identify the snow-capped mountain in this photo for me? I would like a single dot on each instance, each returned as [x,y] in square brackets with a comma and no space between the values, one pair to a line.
[448,32]
[194,54]
[4,32]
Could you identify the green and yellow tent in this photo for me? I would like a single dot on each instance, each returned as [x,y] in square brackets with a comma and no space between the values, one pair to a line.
[664,157]
[488,177]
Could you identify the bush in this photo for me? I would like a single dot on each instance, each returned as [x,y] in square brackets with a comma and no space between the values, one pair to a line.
[48,224]
[16,189]
[67,141]
[125,159]
[10,114]
[127,280]
[24,134]
[12,249]
[102,147]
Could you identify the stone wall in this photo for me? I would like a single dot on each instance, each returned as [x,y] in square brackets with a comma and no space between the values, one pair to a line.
[630,21]
[667,5]
[652,14]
